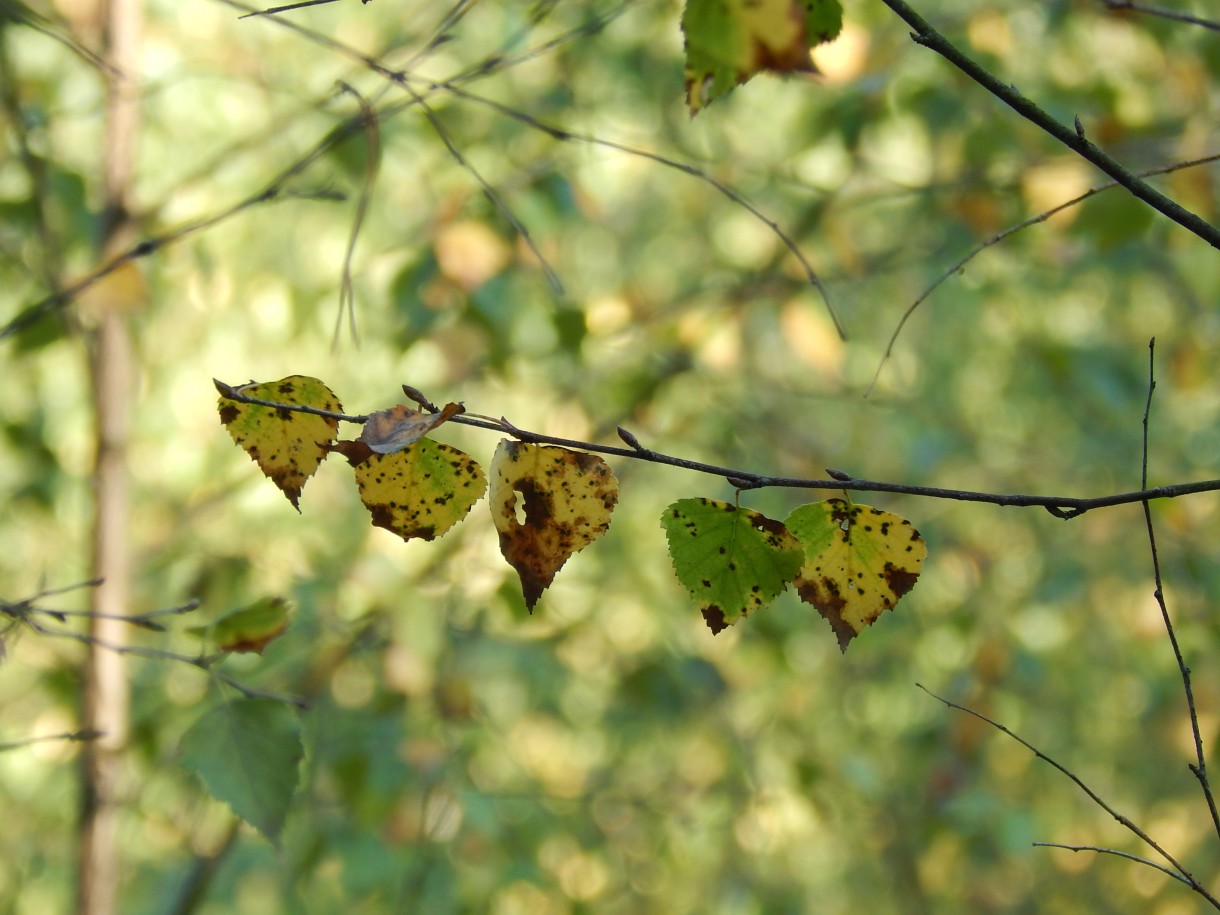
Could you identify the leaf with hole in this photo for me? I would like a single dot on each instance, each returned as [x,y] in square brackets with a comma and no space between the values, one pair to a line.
[287,445]
[422,491]
[248,754]
[732,560]
[729,41]
[566,501]
[859,561]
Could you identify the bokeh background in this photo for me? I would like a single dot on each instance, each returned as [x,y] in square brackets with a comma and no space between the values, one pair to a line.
[607,754]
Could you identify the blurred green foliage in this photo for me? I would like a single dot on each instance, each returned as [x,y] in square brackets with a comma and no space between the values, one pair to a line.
[607,754]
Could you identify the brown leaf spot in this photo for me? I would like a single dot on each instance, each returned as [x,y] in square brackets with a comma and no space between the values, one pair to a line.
[714,617]
[824,594]
[900,580]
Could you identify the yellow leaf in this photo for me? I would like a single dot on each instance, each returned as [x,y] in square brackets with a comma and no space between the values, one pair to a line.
[567,497]
[288,446]
[858,562]
[421,491]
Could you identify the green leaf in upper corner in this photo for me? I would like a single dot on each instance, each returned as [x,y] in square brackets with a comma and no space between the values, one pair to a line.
[732,560]
[250,628]
[248,754]
[728,41]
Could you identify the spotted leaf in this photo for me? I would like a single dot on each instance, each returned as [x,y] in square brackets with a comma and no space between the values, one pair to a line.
[421,491]
[566,501]
[287,445]
[732,560]
[859,561]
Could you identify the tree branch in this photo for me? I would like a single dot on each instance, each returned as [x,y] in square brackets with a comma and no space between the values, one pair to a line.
[1200,766]
[1072,138]
[1000,236]
[1186,876]
[1175,15]
[1121,854]
[1064,507]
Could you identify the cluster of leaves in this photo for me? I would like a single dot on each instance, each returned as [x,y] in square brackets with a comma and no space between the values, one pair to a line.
[852,562]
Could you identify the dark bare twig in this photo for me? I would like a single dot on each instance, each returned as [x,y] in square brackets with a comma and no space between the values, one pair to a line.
[271,11]
[999,237]
[1175,15]
[44,738]
[1063,507]
[1199,768]
[560,133]
[490,192]
[24,613]
[1186,875]
[1168,872]
[931,39]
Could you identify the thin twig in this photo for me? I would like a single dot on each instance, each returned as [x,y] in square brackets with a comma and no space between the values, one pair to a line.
[372,162]
[1199,768]
[271,11]
[69,735]
[999,237]
[1121,854]
[22,612]
[1175,15]
[491,193]
[1063,507]
[403,79]
[1188,878]
[1074,140]
[275,190]
[560,133]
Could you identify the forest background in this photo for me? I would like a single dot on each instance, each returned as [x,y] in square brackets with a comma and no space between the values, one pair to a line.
[608,753]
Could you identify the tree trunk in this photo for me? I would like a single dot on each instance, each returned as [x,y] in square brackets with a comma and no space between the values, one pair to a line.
[106,694]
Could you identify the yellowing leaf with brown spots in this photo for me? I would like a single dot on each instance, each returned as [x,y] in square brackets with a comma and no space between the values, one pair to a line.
[421,491]
[566,500]
[728,41]
[732,560]
[288,446]
[858,562]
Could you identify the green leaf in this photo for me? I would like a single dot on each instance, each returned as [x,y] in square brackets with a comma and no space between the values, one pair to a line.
[859,561]
[421,491]
[732,560]
[288,446]
[248,753]
[728,41]
[249,628]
